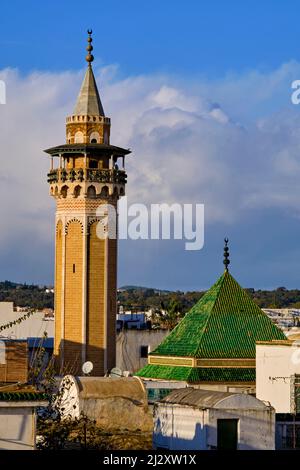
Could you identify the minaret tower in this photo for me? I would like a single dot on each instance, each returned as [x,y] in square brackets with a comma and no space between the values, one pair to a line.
[86,175]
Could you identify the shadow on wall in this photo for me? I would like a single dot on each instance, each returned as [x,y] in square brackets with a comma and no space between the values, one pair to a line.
[70,359]
[161,440]
[186,432]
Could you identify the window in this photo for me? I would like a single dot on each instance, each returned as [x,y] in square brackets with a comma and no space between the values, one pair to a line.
[93,164]
[77,191]
[78,138]
[144,351]
[94,137]
[91,192]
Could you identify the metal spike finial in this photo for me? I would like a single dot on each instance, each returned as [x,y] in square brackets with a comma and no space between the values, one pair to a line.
[226,260]
[89,58]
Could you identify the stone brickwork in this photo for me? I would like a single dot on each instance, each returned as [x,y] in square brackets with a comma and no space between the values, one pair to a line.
[96,306]
[58,287]
[73,295]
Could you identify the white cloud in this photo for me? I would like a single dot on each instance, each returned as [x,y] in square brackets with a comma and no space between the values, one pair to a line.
[233,144]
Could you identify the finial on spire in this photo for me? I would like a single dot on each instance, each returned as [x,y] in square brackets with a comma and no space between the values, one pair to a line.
[226,260]
[89,58]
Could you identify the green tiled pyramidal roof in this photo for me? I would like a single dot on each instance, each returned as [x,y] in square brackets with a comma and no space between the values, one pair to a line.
[197,374]
[224,323]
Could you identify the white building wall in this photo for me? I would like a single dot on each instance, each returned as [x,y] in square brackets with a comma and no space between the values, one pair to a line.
[129,342]
[17,427]
[256,428]
[275,364]
[32,327]
[179,428]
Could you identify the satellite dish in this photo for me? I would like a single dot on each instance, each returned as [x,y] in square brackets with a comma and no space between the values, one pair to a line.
[116,372]
[87,367]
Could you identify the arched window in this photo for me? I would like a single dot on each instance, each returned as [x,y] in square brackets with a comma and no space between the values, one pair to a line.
[104,191]
[91,192]
[64,191]
[77,191]
[78,139]
[94,137]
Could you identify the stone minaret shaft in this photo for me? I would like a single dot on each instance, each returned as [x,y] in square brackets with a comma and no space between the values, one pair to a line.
[86,176]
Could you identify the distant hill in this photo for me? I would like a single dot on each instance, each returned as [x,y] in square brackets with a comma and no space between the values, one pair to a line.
[142,289]
[142,298]
[26,295]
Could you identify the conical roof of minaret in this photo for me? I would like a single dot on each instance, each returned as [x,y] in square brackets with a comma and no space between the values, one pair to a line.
[88,101]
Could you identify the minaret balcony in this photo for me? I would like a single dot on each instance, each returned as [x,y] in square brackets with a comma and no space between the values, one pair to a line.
[62,175]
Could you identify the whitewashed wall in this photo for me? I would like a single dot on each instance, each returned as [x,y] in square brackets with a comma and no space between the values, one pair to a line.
[275,364]
[17,426]
[178,427]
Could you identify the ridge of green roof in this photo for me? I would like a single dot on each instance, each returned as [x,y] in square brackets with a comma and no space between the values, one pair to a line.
[197,374]
[224,323]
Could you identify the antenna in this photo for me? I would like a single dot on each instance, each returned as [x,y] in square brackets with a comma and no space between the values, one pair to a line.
[87,367]
[115,372]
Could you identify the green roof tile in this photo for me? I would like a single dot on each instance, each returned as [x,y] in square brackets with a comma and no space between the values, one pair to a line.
[23,396]
[193,375]
[225,323]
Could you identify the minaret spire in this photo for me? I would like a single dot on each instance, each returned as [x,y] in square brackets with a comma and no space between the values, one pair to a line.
[88,101]
[226,260]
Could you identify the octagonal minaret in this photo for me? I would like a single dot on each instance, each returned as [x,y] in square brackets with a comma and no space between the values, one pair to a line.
[84,175]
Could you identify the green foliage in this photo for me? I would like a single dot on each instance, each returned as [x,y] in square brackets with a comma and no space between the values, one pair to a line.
[24,295]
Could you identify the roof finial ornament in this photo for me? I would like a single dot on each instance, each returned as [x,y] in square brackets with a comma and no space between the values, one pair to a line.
[226,260]
[89,58]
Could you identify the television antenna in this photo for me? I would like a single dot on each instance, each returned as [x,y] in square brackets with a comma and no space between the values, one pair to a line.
[116,372]
[87,367]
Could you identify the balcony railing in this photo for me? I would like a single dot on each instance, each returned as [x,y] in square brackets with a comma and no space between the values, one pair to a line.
[91,175]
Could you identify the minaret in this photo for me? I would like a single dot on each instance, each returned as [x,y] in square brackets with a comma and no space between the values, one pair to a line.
[85,177]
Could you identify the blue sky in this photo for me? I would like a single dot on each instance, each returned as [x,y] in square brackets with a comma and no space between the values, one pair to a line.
[199,85]
[208,38]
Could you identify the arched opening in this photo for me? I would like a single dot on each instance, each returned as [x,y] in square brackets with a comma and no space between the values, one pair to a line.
[77,191]
[94,137]
[104,191]
[122,192]
[78,139]
[64,191]
[56,191]
[91,192]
